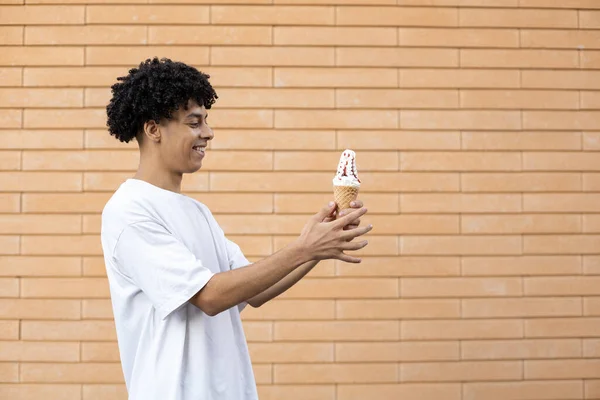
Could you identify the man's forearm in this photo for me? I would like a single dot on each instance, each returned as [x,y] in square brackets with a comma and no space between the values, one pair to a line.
[284,284]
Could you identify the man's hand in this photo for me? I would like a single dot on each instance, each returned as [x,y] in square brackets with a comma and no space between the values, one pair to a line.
[340,213]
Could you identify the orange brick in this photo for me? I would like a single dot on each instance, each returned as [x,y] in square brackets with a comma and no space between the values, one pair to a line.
[39,224]
[344,288]
[338,373]
[412,224]
[562,327]
[41,15]
[11,35]
[10,76]
[94,160]
[39,266]
[591,265]
[133,55]
[9,372]
[240,76]
[591,223]
[10,160]
[591,181]
[96,309]
[11,118]
[400,140]
[591,347]
[591,306]
[523,390]
[590,59]
[10,202]
[461,371]
[101,139]
[521,265]
[478,3]
[105,181]
[412,181]
[518,18]
[213,35]
[61,245]
[238,203]
[410,391]
[561,244]
[461,245]
[561,369]
[460,119]
[100,352]
[296,392]
[68,330]
[340,2]
[521,182]
[590,100]
[554,39]
[9,244]
[523,223]
[553,79]
[291,352]
[401,266]
[65,287]
[458,37]
[9,330]
[40,181]
[396,351]
[73,77]
[460,161]
[64,118]
[518,99]
[83,35]
[153,15]
[39,55]
[521,140]
[519,58]
[286,309]
[42,139]
[561,286]
[396,309]
[522,307]
[560,161]
[459,202]
[254,118]
[272,15]
[335,36]
[269,181]
[263,373]
[276,98]
[397,16]
[272,56]
[273,140]
[40,309]
[99,391]
[461,329]
[520,349]
[254,245]
[336,330]
[64,202]
[39,351]
[559,3]
[332,119]
[258,331]
[592,388]
[401,98]
[9,287]
[322,161]
[335,77]
[460,287]
[589,19]
[459,78]
[311,203]
[396,57]
[71,373]
[41,98]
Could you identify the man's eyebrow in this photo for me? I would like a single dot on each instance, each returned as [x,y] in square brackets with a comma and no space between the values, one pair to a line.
[197,115]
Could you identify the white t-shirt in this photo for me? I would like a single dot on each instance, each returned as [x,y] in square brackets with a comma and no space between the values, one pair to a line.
[160,248]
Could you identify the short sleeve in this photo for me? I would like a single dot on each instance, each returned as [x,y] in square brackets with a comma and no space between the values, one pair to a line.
[163,267]
[236,260]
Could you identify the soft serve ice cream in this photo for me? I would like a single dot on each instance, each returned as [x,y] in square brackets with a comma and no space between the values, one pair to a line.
[346,183]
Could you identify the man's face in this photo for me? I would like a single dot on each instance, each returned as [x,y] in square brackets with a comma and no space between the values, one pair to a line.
[184,138]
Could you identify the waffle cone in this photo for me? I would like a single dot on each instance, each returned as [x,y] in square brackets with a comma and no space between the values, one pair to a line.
[344,195]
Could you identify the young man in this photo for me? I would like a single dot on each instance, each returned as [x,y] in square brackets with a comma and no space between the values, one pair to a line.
[177,283]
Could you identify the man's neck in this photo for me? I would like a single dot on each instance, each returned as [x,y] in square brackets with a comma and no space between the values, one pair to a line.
[159,177]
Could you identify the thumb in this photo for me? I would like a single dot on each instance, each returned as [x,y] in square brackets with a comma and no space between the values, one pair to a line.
[325,211]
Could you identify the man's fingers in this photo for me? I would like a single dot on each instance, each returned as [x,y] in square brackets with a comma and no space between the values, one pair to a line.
[351,217]
[355,245]
[352,233]
[349,259]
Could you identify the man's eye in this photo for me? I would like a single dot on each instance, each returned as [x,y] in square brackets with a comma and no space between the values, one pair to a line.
[196,125]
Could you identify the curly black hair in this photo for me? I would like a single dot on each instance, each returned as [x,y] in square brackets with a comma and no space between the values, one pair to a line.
[153,91]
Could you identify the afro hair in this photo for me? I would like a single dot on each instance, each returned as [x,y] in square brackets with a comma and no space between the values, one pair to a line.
[153,91]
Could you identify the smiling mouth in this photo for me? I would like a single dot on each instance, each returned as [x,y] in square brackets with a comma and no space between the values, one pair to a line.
[199,149]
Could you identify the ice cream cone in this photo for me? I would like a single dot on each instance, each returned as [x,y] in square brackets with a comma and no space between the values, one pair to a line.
[344,195]
[346,183]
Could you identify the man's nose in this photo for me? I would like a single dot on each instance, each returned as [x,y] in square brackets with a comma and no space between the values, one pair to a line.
[207,133]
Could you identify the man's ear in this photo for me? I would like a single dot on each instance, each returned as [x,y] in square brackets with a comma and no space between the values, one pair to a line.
[152,131]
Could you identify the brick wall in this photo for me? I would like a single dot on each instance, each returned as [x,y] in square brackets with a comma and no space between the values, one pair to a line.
[476,124]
